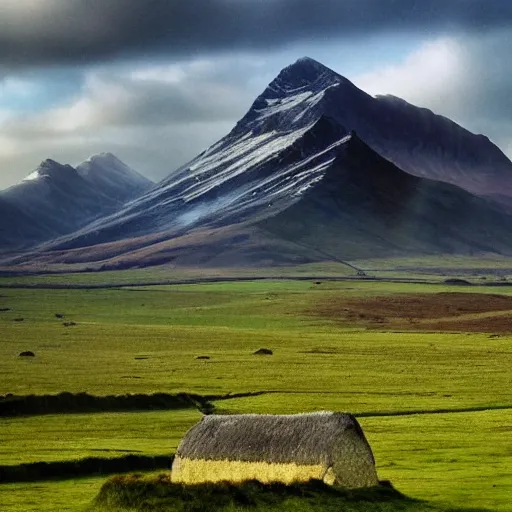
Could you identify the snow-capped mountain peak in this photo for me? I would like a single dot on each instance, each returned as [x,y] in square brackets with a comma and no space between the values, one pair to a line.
[297,97]
[32,176]
[293,100]
[102,161]
[304,73]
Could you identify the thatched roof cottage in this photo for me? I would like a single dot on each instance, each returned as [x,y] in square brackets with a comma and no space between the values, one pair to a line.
[328,446]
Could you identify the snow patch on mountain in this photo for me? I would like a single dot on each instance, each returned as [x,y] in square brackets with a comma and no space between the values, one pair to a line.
[32,176]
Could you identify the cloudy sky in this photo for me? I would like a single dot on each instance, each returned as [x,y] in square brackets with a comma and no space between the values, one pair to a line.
[157,81]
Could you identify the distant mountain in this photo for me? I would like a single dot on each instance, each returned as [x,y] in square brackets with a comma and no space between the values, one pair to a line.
[58,199]
[357,205]
[316,169]
[106,173]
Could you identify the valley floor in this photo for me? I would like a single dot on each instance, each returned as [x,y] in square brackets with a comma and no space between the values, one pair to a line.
[426,368]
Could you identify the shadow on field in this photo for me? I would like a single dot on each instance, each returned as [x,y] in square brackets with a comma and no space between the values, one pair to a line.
[32,405]
[91,466]
[72,403]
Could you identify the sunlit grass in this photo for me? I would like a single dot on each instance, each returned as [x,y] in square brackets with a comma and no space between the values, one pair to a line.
[147,341]
[77,436]
[52,496]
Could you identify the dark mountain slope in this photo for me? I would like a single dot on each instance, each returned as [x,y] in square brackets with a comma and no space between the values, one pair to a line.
[365,206]
[17,227]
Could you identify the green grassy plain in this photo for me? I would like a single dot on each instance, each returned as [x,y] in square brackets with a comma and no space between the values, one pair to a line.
[166,273]
[74,495]
[100,435]
[146,340]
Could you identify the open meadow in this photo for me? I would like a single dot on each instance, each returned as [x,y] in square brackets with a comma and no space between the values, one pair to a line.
[424,367]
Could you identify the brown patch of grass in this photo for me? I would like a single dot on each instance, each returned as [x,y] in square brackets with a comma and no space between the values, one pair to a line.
[447,311]
[495,323]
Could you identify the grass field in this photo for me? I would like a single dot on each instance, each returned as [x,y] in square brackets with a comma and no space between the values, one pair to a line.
[72,495]
[146,340]
[103,434]
[434,267]
[166,273]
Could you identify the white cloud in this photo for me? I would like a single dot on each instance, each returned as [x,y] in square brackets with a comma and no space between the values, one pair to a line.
[9,147]
[172,74]
[428,76]
[155,116]
[5,114]
[146,96]
[466,79]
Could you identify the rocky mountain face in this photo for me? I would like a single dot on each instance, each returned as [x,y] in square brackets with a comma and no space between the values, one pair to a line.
[316,169]
[58,199]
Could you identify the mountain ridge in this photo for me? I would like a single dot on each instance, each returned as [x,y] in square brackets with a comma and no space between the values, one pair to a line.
[316,166]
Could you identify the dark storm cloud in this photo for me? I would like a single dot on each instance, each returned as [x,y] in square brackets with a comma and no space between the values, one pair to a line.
[66,31]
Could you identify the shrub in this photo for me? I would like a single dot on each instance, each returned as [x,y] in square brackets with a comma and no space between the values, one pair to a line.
[27,353]
[136,493]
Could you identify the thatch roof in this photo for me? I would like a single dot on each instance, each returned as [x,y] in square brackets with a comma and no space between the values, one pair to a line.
[300,438]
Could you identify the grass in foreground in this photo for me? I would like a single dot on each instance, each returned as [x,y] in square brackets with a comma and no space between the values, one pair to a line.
[135,493]
[74,495]
[458,458]
[147,341]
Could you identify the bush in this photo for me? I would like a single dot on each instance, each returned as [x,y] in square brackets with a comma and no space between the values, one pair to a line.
[27,353]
